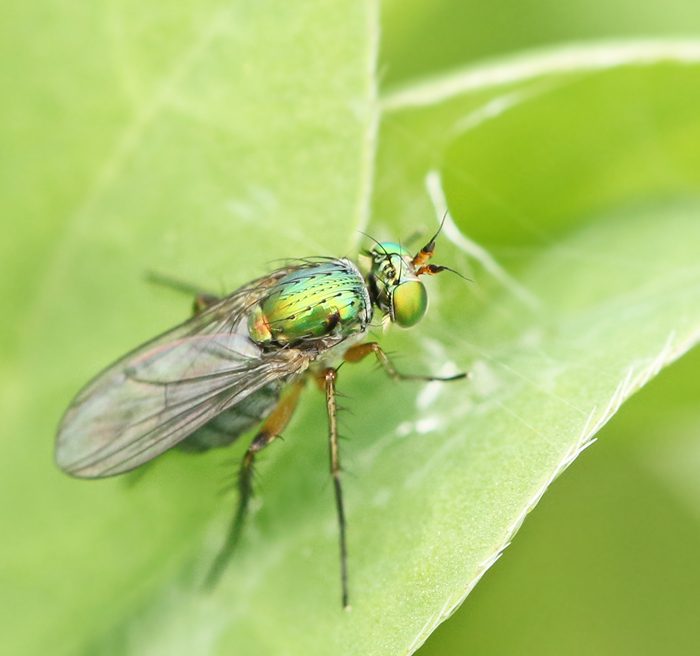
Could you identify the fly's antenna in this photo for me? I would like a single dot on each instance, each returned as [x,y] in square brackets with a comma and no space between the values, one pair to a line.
[432,269]
[425,253]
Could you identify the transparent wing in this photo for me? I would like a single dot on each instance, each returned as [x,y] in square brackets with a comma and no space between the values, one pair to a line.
[157,395]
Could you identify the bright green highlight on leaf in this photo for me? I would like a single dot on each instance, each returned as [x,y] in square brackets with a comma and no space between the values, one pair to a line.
[205,142]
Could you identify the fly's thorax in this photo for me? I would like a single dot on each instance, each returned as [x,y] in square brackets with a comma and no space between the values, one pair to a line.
[333,356]
[394,284]
[313,302]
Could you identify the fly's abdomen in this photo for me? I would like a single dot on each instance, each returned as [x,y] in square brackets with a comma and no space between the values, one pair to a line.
[226,427]
[329,298]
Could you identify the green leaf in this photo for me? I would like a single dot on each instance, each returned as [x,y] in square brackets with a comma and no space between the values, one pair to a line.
[608,563]
[207,141]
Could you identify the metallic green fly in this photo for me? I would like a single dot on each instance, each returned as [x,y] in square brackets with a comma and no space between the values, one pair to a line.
[243,359]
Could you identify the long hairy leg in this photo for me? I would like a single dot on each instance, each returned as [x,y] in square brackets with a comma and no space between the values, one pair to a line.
[330,376]
[272,428]
[202,298]
[361,351]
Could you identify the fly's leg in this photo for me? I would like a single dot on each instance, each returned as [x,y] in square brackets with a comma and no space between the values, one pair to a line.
[202,298]
[272,428]
[203,301]
[361,351]
[329,377]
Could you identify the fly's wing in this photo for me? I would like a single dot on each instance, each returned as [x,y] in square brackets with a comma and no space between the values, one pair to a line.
[157,395]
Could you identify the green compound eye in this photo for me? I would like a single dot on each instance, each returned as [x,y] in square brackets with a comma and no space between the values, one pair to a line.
[409,303]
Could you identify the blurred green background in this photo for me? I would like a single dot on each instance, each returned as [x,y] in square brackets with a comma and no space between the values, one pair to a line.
[607,564]
[423,38]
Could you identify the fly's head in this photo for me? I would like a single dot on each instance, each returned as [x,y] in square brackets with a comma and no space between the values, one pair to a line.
[393,280]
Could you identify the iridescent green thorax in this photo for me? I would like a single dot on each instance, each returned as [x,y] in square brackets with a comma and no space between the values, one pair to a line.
[394,284]
[328,298]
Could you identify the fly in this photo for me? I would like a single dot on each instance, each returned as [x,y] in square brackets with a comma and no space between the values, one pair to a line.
[242,360]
